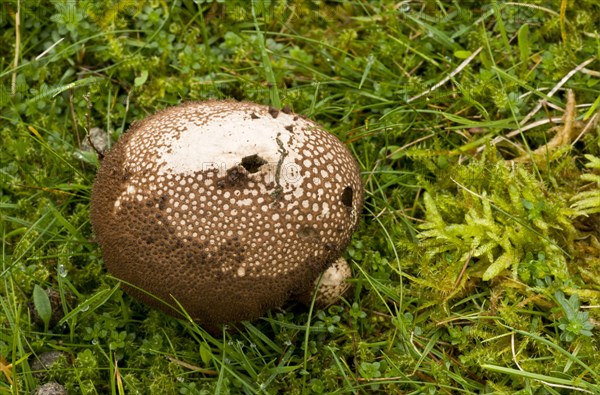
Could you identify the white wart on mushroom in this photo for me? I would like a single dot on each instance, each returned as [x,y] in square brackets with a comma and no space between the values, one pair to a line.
[244,205]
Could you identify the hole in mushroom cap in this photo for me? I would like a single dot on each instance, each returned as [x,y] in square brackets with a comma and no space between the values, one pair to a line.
[347,197]
[252,163]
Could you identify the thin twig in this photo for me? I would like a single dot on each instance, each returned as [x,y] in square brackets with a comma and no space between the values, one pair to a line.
[463,270]
[192,367]
[49,49]
[562,138]
[6,368]
[514,356]
[452,74]
[563,81]
[592,123]
[410,144]
[17,47]
[593,73]
[541,102]
[535,7]
[532,125]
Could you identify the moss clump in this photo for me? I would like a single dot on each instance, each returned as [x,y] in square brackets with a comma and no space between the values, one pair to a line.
[488,220]
[500,249]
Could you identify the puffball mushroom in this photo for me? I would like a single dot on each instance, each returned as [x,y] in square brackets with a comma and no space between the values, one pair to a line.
[225,208]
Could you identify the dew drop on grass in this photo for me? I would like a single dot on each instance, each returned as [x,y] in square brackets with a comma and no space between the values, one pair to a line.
[85,308]
[62,270]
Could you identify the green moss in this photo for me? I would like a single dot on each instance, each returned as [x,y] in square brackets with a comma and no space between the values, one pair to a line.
[491,216]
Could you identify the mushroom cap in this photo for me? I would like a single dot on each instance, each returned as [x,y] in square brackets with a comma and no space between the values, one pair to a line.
[225,208]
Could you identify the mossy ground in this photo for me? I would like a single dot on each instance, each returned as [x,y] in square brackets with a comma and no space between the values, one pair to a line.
[477,262]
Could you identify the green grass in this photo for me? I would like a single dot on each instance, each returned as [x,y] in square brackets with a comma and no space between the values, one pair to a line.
[476,264]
